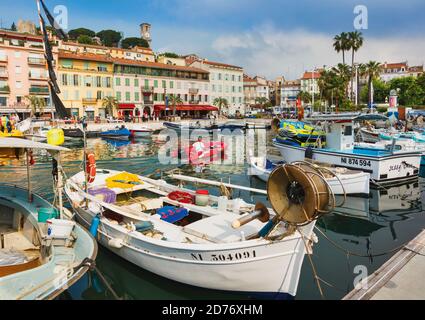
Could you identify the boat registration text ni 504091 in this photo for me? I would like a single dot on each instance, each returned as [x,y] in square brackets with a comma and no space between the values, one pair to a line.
[225,256]
[356,162]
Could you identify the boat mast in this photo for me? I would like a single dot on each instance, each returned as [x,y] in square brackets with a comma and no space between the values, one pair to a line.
[27,156]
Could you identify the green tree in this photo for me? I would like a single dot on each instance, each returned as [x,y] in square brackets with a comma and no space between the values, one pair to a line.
[174,100]
[83,39]
[128,43]
[341,44]
[110,38]
[169,55]
[110,104]
[36,104]
[372,70]
[410,90]
[304,96]
[13,27]
[76,33]
[355,41]
[381,92]
[220,103]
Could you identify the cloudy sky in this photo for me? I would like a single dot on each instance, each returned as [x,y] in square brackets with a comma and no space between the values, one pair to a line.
[266,37]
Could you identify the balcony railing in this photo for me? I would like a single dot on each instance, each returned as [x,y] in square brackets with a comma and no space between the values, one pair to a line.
[147,89]
[147,101]
[5,89]
[89,100]
[3,58]
[37,61]
[37,76]
[4,74]
[39,90]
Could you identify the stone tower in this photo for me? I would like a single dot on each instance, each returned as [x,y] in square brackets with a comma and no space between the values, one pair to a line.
[145,30]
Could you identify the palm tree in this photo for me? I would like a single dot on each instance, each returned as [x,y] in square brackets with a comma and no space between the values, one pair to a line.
[220,103]
[174,101]
[343,71]
[110,104]
[304,96]
[341,44]
[36,104]
[355,40]
[372,70]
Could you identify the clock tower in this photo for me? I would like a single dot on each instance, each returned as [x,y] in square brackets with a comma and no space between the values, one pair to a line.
[145,30]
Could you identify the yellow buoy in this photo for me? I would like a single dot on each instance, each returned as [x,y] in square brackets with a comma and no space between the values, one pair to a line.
[55,137]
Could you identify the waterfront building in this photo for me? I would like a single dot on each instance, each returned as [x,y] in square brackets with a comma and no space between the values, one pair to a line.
[391,71]
[225,80]
[254,88]
[290,91]
[142,86]
[85,79]
[250,90]
[22,72]
[272,92]
[309,82]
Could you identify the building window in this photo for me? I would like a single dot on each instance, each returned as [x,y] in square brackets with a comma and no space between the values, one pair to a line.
[118,95]
[127,96]
[219,76]
[179,85]
[98,82]
[64,80]
[213,88]
[89,95]
[233,88]
[146,83]
[136,82]
[88,81]
[233,77]
[239,79]
[185,97]
[117,81]
[86,66]
[18,70]
[75,80]
[3,101]
[212,76]
[240,100]
[127,82]
[155,83]
[171,85]
[99,95]
[102,67]
[18,84]
[233,100]
[17,54]
[136,96]
[164,84]
[206,98]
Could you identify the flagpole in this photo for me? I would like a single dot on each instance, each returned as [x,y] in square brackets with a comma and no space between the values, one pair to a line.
[42,27]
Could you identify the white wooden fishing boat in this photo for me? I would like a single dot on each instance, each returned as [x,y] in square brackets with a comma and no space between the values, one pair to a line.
[341,180]
[37,259]
[384,166]
[216,246]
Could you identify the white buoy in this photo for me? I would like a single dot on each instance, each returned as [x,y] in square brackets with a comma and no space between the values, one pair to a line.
[115,243]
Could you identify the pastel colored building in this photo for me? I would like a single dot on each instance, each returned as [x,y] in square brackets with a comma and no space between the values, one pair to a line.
[22,72]
[289,93]
[391,71]
[310,82]
[142,86]
[85,80]
[226,81]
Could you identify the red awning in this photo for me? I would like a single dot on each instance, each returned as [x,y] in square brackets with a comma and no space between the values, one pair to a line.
[130,106]
[186,107]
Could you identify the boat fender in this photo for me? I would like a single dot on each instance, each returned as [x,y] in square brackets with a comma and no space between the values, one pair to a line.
[94,225]
[115,243]
[90,167]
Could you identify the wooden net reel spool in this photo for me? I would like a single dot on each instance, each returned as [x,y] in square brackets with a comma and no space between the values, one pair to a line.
[299,194]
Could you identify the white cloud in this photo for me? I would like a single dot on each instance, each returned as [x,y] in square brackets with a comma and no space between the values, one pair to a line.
[271,52]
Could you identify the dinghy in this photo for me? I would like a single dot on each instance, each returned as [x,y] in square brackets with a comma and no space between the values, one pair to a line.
[206,241]
[119,133]
[41,252]
[341,180]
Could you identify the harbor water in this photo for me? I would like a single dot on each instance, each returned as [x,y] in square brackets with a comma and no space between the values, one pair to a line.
[370,229]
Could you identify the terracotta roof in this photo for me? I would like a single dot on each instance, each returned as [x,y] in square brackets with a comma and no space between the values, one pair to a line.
[394,65]
[247,78]
[84,56]
[156,65]
[310,75]
[219,64]
[21,36]
[416,69]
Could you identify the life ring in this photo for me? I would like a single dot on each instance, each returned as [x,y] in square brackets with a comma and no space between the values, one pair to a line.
[180,196]
[90,167]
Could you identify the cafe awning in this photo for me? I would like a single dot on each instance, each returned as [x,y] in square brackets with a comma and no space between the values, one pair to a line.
[126,106]
[186,107]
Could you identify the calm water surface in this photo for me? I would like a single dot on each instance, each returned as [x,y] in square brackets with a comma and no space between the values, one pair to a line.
[386,220]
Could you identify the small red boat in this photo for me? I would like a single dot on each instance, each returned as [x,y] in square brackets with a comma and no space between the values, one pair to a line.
[212,151]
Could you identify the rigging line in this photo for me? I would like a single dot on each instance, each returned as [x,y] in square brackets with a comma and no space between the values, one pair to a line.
[415,252]
[403,246]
